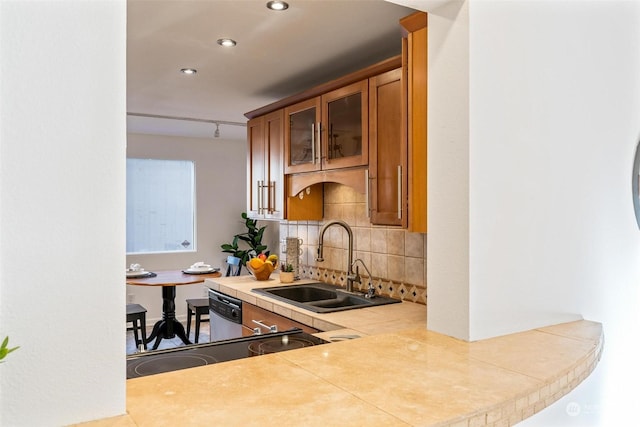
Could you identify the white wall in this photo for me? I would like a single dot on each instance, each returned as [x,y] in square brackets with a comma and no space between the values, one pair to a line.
[448,171]
[221,198]
[554,125]
[553,122]
[62,169]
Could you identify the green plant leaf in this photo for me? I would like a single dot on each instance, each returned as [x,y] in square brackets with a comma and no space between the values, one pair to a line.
[245,238]
[4,350]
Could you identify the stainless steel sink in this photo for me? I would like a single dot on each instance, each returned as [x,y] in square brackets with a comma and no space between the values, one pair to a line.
[322,297]
[343,302]
[302,293]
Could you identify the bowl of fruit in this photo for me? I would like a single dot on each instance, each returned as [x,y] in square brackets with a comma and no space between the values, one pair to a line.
[262,266]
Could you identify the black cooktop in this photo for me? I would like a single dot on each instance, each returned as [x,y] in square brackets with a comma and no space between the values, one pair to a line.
[158,361]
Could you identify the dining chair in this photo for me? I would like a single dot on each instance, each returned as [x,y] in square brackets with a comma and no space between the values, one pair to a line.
[233,266]
[199,307]
[137,315]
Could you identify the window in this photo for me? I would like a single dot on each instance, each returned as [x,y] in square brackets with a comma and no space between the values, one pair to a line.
[160,205]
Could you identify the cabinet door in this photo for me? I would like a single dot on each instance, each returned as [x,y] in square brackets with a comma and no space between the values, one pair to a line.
[274,173]
[255,166]
[302,136]
[388,163]
[345,127]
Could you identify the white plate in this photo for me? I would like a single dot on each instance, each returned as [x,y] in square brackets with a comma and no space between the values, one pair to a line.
[139,273]
[200,270]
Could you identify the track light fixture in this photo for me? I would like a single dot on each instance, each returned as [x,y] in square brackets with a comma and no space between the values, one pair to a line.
[216,133]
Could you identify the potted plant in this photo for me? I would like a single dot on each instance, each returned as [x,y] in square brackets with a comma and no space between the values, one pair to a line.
[287,274]
[251,238]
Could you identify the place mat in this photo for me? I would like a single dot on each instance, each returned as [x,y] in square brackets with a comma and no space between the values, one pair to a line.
[143,276]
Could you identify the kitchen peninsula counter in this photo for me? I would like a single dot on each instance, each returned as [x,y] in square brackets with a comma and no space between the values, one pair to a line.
[401,374]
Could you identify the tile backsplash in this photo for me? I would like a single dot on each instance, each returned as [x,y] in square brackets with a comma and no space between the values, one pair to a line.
[396,258]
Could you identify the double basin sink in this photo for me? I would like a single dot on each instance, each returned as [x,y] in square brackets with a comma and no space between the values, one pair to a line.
[321,297]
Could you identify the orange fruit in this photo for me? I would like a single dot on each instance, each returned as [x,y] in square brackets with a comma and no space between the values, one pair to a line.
[256,263]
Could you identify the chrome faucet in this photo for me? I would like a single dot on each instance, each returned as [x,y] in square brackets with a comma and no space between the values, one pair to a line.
[371,291]
[350,276]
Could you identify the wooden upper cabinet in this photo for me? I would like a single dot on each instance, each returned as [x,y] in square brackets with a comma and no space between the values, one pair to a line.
[414,63]
[329,131]
[388,177]
[265,175]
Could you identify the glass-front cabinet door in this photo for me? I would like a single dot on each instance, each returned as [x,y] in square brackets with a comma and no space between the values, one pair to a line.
[329,131]
[302,136]
[345,124]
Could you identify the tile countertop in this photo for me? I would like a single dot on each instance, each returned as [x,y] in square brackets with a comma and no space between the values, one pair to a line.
[400,375]
[366,321]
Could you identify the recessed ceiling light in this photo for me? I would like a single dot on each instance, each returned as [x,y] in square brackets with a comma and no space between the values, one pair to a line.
[277,5]
[188,71]
[226,42]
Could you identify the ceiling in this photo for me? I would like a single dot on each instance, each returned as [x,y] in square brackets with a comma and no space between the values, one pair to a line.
[278,54]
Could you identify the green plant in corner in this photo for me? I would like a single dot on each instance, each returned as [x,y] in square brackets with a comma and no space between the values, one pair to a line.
[251,238]
[5,350]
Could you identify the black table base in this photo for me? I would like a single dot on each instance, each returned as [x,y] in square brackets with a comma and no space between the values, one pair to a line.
[168,327]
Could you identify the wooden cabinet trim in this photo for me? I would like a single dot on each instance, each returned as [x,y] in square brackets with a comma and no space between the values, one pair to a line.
[352,177]
[414,22]
[417,129]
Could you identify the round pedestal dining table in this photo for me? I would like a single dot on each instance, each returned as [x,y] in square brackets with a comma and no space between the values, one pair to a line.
[169,326]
